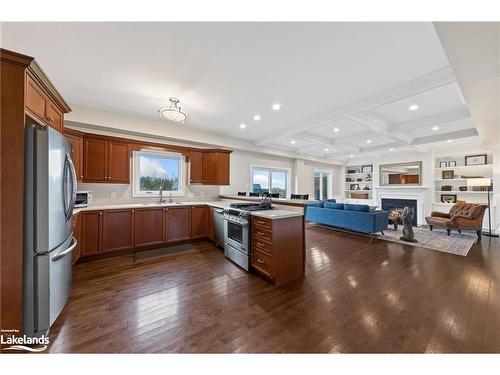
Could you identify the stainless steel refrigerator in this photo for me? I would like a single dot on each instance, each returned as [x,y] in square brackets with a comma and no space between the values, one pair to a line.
[50,193]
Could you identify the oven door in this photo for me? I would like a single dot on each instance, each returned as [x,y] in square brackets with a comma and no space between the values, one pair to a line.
[236,235]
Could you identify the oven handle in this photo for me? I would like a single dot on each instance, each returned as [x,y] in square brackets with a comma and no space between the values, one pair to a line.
[236,222]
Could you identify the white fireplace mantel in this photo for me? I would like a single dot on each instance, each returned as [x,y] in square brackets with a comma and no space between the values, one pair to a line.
[414,192]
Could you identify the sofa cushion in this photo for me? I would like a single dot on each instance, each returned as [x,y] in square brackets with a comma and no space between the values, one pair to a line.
[357,207]
[336,206]
[316,204]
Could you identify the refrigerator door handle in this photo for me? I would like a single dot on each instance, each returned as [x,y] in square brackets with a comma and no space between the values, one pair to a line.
[73,184]
[67,251]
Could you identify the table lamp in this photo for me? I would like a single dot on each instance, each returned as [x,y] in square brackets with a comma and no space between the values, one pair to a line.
[484,182]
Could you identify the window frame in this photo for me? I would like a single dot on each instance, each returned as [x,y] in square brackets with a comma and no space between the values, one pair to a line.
[137,193]
[329,183]
[269,170]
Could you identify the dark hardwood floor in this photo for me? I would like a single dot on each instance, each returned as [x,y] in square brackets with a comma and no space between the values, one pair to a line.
[359,295]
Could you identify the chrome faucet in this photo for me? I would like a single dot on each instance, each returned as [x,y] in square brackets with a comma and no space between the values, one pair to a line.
[161,194]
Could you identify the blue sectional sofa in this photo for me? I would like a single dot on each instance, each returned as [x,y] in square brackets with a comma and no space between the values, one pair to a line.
[355,217]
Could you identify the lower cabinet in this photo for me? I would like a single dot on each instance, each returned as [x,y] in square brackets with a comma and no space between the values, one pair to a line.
[199,221]
[91,227]
[117,230]
[149,224]
[178,224]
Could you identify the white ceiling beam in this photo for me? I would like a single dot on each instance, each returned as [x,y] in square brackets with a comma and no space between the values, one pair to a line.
[465,133]
[325,142]
[458,114]
[410,88]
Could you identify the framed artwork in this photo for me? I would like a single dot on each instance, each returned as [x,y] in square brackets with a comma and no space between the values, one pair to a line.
[448,175]
[443,164]
[475,159]
[452,163]
[449,198]
[367,168]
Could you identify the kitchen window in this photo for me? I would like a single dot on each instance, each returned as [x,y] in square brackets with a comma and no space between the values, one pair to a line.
[322,184]
[270,180]
[153,170]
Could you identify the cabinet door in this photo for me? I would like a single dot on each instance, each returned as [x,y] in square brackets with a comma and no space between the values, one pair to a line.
[35,99]
[95,156]
[118,163]
[223,168]
[149,226]
[178,224]
[77,154]
[91,233]
[196,167]
[199,221]
[210,174]
[78,236]
[117,230]
[54,116]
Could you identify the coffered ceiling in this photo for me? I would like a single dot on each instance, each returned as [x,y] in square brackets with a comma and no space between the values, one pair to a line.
[344,88]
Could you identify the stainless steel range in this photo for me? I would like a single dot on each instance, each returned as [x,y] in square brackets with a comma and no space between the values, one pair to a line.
[237,231]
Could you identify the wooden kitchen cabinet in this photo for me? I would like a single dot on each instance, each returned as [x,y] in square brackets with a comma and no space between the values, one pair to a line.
[177,224]
[91,229]
[196,167]
[118,163]
[215,167]
[210,224]
[39,103]
[149,226]
[106,161]
[117,230]
[75,138]
[77,235]
[199,222]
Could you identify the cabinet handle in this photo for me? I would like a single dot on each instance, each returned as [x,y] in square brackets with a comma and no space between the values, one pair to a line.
[133,211]
[260,260]
[100,213]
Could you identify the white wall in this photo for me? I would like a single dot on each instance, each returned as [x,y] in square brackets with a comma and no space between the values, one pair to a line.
[300,172]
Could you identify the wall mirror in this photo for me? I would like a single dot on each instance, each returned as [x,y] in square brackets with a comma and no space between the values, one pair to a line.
[409,173]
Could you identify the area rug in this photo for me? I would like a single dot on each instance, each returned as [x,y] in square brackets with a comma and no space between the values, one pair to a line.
[455,243]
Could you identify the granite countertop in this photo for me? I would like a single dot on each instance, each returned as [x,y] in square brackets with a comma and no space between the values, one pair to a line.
[269,214]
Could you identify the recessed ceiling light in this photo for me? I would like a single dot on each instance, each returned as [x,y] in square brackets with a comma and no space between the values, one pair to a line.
[336,130]
[351,156]
[413,107]
[391,149]
[368,141]
[276,106]
[449,140]
[256,117]
[292,142]
[243,126]
[435,128]
[326,150]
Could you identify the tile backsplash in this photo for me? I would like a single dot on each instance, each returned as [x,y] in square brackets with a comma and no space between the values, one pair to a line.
[122,193]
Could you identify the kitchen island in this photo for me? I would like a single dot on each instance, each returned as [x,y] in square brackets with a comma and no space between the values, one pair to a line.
[277,236]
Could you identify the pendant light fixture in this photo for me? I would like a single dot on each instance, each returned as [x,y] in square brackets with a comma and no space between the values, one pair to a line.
[174,112]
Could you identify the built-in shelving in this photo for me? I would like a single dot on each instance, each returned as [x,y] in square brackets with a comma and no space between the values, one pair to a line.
[361,179]
[461,173]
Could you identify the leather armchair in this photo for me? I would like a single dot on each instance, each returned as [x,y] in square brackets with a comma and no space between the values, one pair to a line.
[461,216]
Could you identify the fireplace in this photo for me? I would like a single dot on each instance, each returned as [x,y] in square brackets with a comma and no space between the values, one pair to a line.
[389,204]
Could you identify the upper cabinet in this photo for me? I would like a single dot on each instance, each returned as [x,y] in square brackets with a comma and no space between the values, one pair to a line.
[105,161]
[196,167]
[42,102]
[215,167]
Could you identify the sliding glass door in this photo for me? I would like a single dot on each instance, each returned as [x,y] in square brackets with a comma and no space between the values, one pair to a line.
[322,184]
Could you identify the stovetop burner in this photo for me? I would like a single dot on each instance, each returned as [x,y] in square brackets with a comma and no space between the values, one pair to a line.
[251,206]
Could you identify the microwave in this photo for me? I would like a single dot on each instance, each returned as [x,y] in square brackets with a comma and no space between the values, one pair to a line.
[83,198]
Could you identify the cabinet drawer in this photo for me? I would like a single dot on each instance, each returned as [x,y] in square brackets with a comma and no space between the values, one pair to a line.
[261,234]
[262,223]
[262,262]
[262,245]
